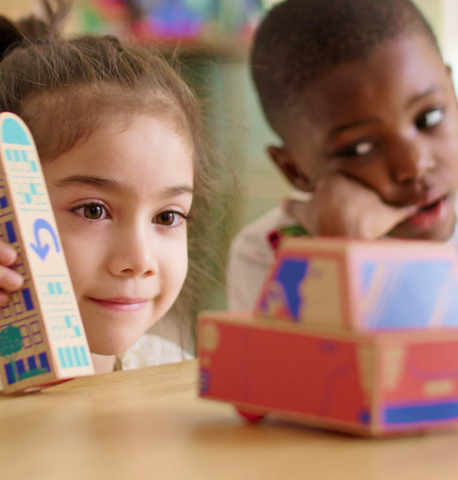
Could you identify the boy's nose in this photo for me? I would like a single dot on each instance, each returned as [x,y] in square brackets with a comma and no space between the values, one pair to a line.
[411,162]
[133,255]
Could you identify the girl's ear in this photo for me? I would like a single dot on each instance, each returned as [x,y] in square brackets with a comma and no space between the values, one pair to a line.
[283,160]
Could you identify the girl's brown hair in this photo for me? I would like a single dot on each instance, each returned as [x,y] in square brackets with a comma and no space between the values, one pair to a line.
[66,89]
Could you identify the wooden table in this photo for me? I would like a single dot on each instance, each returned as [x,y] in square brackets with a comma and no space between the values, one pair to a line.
[149,424]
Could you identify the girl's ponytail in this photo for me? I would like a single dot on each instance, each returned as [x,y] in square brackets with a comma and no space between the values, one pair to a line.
[32,29]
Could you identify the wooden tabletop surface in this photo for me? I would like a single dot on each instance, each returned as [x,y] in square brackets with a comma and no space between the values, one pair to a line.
[149,424]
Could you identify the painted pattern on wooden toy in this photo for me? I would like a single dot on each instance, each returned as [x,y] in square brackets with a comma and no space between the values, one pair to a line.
[44,313]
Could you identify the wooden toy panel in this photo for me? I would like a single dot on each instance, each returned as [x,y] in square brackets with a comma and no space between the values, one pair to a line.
[418,381]
[24,347]
[45,311]
[306,288]
[373,384]
[366,286]
[284,372]
[406,293]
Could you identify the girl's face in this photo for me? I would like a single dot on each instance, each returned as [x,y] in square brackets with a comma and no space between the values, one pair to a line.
[121,200]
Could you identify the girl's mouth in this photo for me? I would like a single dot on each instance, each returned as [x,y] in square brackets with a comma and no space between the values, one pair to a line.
[431,215]
[121,305]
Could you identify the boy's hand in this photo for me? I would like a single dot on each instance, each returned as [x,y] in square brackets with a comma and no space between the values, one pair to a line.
[10,281]
[343,207]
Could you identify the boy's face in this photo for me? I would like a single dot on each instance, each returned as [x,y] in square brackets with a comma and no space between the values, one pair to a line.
[391,123]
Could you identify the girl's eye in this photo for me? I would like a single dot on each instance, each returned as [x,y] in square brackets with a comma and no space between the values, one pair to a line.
[92,212]
[430,119]
[170,219]
[357,150]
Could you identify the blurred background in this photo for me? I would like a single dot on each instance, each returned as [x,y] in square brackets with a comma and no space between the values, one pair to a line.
[213,37]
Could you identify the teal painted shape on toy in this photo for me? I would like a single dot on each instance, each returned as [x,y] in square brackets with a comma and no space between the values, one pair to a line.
[13,132]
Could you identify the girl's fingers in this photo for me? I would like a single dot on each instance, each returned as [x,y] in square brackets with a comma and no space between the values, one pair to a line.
[10,281]
[4,298]
[8,255]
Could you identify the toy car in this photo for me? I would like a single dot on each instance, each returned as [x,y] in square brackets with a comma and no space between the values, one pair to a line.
[348,335]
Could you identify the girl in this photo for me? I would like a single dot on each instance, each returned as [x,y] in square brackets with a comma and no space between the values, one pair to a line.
[119,135]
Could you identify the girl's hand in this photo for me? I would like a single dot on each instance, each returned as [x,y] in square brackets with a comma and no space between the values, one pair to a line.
[342,207]
[10,281]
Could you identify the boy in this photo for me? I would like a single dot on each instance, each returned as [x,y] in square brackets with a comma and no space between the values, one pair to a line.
[365,107]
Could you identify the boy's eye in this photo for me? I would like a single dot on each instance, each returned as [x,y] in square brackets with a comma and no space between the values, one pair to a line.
[357,150]
[92,212]
[170,219]
[430,119]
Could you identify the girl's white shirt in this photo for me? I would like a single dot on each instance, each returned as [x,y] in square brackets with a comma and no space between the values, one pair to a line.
[152,350]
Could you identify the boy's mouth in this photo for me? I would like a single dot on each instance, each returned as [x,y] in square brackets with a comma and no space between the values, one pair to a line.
[430,215]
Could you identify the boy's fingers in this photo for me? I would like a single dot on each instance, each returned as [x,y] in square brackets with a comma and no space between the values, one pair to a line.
[8,255]
[10,280]
[404,213]
[300,211]
[411,210]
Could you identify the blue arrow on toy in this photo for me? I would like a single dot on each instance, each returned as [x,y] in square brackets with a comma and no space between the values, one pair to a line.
[42,250]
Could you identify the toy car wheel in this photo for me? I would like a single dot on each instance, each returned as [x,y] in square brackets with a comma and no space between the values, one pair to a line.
[250,417]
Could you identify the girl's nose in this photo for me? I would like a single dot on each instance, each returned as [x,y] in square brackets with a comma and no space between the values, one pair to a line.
[411,162]
[133,254]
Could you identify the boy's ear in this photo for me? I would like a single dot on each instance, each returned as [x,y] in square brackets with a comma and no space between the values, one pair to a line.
[283,160]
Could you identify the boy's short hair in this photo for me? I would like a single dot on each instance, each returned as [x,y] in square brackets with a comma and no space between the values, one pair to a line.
[300,40]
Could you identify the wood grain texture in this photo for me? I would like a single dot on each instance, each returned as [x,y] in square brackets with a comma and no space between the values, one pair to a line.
[149,424]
